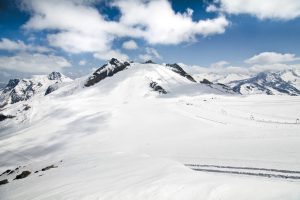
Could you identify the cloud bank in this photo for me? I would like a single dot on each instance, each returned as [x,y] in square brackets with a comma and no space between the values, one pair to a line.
[77,26]
[271,58]
[33,63]
[262,9]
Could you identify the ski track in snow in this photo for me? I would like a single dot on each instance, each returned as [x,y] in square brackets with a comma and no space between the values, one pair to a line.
[250,171]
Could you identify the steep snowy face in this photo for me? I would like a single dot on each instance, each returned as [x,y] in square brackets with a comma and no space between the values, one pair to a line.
[176,68]
[292,77]
[20,90]
[270,83]
[112,67]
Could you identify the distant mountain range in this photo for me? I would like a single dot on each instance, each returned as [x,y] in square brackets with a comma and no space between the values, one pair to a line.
[23,89]
[286,82]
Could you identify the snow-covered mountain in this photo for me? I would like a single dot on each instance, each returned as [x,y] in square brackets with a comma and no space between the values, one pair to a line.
[283,82]
[23,89]
[146,131]
[223,78]
[247,82]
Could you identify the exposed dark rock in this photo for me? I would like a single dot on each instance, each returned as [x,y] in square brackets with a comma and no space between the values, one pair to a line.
[106,71]
[23,94]
[51,88]
[11,84]
[157,88]
[2,182]
[205,81]
[24,174]
[26,107]
[226,87]
[54,76]
[4,117]
[149,62]
[176,68]
[49,167]
[6,172]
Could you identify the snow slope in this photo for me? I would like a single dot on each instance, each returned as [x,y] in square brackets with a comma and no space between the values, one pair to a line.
[121,139]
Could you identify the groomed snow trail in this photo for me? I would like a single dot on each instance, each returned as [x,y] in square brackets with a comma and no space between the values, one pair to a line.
[250,171]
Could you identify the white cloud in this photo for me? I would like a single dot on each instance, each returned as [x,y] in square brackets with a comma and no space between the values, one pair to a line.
[271,58]
[130,44]
[219,64]
[33,63]
[77,25]
[212,8]
[82,62]
[76,42]
[159,24]
[262,9]
[111,54]
[151,54]
[9,45]
[18,45]
[225,68]
[270,67]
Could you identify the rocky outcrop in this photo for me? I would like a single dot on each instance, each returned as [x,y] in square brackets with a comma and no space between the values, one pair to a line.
[52,88]
[157,88]
[107,70]
[4,117]
[11,84]
[24,174]
[176,68]
[149,62]
[55,76]
[205,81]
[2,182]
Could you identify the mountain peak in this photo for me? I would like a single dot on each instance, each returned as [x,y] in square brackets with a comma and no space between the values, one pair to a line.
[149,62]
[109,69]
[176,68]
[55,76]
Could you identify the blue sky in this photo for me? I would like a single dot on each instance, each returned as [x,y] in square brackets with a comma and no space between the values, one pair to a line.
[39,36]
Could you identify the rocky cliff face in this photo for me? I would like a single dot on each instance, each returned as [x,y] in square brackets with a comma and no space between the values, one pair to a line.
[112,67]
[177,69]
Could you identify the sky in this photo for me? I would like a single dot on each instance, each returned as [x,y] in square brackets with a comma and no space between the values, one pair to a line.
[77,36]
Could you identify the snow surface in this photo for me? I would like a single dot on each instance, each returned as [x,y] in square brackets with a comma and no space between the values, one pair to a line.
[119,139]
